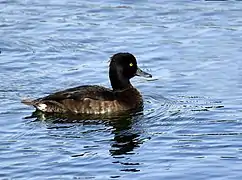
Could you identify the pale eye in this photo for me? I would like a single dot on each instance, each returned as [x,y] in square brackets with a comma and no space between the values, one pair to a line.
[130,64]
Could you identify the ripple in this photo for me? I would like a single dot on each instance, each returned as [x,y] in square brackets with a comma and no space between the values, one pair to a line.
[191,123]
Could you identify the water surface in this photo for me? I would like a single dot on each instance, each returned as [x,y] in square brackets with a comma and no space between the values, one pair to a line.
[191,124]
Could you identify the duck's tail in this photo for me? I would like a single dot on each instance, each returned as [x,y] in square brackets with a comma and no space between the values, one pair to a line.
[29,102]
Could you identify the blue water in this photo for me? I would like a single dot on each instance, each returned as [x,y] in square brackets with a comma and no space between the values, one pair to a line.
[191,126]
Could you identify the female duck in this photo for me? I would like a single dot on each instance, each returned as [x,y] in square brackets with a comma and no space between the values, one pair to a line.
[92,99]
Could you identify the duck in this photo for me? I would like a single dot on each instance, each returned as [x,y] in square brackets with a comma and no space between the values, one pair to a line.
[94,99]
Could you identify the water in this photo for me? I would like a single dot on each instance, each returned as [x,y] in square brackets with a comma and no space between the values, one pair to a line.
[191,124]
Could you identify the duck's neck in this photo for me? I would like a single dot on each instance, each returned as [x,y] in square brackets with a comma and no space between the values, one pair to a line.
[119,83]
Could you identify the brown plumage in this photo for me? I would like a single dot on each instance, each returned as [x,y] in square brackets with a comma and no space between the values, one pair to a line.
[92,99]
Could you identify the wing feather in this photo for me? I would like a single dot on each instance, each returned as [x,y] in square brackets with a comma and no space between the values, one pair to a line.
[82,92]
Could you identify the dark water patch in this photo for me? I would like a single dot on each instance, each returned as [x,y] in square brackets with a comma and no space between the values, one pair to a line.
[191,123]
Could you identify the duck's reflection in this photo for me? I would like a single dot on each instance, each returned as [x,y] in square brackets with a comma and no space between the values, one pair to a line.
[124,127]
[125,135]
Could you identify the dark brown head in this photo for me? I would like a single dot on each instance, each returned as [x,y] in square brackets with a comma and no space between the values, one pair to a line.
[122,68]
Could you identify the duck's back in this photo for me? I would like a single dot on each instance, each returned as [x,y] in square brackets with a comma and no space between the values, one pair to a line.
[82,92]
[87,100]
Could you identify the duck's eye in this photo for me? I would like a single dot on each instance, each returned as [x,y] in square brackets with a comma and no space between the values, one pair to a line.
[130,64]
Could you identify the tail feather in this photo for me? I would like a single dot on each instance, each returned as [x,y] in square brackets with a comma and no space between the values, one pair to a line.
[29,102]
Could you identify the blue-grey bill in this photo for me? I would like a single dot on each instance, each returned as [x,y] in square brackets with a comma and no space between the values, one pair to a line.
[139,72]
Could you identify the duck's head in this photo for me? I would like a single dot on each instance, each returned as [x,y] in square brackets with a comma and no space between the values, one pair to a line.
[122,68]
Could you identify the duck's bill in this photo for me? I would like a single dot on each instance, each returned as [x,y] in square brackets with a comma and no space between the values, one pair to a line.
[139,72]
